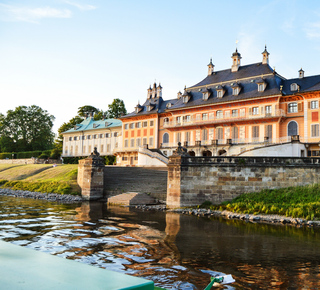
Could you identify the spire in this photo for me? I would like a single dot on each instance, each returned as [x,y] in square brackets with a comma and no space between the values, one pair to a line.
[265,56]
[236,56]
[210,67]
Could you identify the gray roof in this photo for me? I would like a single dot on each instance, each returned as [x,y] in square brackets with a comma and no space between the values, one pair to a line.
[247,78]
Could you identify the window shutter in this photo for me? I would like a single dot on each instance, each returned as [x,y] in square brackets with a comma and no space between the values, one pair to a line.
[250,111]
[300,107]
[309,105]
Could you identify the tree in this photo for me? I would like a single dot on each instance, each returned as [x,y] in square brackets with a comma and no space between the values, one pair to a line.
[116,109]
[26,129]
[84,111]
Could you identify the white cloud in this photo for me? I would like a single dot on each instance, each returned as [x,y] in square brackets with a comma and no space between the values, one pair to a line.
[81,6]
[17,13]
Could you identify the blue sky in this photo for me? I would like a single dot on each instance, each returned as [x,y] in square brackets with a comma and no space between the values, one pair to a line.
[63,54]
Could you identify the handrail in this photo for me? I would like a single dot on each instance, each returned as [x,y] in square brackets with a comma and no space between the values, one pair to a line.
[154,155]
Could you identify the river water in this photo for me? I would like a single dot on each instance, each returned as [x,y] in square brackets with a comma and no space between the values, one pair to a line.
[175,251]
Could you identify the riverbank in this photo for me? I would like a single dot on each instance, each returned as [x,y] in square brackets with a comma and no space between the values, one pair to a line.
[253,218]
[54,197]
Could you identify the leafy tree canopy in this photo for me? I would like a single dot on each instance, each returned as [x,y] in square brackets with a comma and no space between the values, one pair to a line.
[116,109]
[26,129]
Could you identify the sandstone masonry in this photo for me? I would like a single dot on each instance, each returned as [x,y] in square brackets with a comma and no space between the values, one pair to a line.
[193,180]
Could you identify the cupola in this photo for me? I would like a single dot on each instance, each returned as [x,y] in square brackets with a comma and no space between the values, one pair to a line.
[159,91]
[236,56]
[210,67]
[301,73]
[265,56]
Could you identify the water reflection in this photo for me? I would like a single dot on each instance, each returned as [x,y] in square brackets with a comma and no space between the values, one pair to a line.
[175,251]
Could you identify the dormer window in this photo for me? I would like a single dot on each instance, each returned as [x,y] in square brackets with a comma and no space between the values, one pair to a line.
[168,105]
[261,85]
[294,87]
[138,108]
[235,91]
[205,94]
[179,95]
[106,124]
[219,93]
[185,99]
[149,108]
[95,125]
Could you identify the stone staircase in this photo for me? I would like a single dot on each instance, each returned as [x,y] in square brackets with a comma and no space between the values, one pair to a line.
[119,180]
[131,198]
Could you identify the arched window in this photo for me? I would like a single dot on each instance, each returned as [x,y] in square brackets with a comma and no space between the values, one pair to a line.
[292,128]
[165,138]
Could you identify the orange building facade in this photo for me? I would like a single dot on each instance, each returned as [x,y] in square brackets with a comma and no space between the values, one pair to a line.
[246,110]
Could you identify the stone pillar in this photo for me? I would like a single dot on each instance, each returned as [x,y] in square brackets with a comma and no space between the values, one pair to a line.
[174,177]
[91,176]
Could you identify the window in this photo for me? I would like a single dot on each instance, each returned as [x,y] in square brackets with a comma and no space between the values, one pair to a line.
[261,87]
[95,136]
[235,91]
[70,138]
[138,125]
[126,143]
[255,131]
[83,137]
[178,120]
[107,135]
[205,116]
[219,133]
[138,142]
[101,148]
[292,128]
[178,137]
[234,113]
[89,137]
[219,114]
[126,126]
[116,146]
[166,120]
[151,141]
[131,126]
[101,136]
[108,147]
[292,108]
[314,105]
[204,134]
[165,138]
[131,142]
[315,130]
[268,131]
[242,112]
[187,118]
[294,87]
[205,96]
[144,141]
[268,110]
[185,99]
[255,111]
[151,123]
[220,94]
[187,136]
[75,138]
[145,124]
[115,134]
[234,132]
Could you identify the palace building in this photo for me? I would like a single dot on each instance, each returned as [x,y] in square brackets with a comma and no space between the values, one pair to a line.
[105,135]
[248,110]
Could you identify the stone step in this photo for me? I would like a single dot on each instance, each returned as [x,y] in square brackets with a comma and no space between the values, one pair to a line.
[131,198]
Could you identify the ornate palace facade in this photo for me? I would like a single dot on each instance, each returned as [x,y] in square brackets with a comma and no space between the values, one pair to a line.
[247,110]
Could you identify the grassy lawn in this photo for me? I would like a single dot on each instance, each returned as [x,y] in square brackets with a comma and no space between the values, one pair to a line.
[41,177]
[299,202]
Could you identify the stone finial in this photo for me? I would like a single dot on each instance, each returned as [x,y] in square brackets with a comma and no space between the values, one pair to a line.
[181,151]
[95,156]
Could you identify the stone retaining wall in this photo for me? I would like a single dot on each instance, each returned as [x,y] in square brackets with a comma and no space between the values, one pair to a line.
[193,180]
